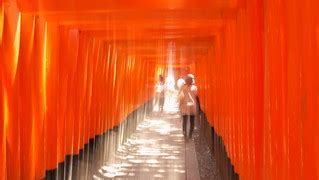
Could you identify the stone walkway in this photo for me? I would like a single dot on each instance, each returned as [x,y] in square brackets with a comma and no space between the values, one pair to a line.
[157,150]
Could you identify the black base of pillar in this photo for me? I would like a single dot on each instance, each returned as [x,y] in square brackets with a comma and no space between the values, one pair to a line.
[217,147]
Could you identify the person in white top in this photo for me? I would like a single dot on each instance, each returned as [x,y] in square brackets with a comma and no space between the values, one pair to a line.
[160,96]
[180,83]
[188,104]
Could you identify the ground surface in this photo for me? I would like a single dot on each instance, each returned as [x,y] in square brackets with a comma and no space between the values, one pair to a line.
[155,150]
[206,161]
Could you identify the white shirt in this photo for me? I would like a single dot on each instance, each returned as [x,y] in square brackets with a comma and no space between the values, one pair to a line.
[159,88]
[180,83]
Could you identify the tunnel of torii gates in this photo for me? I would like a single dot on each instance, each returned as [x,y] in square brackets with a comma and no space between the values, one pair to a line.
[73,69]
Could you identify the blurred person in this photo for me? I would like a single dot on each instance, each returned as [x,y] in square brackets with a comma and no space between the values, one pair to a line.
[197,98]
[188,104]
[180,83]
[160,93]
[193,78]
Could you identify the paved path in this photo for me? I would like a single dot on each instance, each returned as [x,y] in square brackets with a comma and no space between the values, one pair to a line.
[157,150]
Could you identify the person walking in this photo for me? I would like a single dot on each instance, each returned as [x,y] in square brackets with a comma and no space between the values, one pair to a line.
[188,104]
[160,96]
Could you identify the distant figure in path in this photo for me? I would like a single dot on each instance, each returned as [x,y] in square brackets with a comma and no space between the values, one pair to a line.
[160,96]
[180,83]
[188,104]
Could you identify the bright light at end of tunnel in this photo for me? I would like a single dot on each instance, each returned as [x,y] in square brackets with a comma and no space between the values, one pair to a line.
[170,104]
